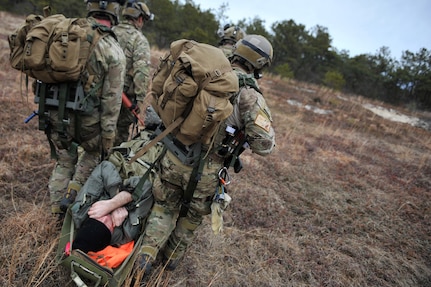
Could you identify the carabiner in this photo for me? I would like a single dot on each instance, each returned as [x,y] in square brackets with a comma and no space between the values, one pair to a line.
[224,176]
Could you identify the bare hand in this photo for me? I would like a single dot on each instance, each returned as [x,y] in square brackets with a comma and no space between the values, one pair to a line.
[100,208]
[107,220]
[118,216]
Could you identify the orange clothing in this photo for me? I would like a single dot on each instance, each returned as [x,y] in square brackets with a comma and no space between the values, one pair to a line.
[111,256]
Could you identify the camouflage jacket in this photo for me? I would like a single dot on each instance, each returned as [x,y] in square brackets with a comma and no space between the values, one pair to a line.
[252,116]
[107,63]
[227,49]
[137,50]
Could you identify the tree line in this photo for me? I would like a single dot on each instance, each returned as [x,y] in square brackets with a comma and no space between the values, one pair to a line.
[299,53]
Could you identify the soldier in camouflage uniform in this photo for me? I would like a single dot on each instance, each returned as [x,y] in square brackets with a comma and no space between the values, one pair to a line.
[252,121]
[228,38]
[137,50]
[106,69]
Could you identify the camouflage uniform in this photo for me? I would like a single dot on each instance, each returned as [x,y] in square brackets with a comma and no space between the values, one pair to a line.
[137,50]
[227,49]
[107,64]
[164,229]
[252,115]
[229,36]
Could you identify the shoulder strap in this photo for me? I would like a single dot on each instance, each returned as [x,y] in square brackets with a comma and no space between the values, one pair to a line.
[195,177]
[137,193]
[158,138]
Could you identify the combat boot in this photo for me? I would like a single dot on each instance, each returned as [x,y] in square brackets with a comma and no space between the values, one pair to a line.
[170,264]
[171,258]
[144,262]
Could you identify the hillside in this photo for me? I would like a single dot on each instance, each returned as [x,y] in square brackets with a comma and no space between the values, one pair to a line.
[344,200]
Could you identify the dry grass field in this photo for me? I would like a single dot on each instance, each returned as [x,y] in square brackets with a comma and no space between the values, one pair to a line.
[344,200]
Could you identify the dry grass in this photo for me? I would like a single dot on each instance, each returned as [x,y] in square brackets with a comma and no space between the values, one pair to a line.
[343,201]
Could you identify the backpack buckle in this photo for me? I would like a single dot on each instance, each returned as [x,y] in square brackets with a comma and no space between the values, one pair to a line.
[64,38]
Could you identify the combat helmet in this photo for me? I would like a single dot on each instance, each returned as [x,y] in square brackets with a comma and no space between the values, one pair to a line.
[109,9]
[231,34]
[254,50]
[135,9]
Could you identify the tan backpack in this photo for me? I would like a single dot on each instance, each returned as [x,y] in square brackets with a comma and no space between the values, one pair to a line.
[194,81]
[17,40]
[53,49]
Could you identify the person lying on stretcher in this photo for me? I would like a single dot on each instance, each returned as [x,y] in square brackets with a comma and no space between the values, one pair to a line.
[105,212]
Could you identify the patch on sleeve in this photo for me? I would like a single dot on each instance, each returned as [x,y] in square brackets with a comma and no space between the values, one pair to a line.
[263,122]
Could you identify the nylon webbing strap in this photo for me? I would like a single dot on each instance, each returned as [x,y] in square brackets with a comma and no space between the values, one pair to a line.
[170,128]
[236,153]
[195,177]
[41,110]
[43,118]
[137,193]
[63,95]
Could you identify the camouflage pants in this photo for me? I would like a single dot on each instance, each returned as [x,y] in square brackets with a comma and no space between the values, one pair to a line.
[61,175]
[70,167]
[125,119]
[164,228]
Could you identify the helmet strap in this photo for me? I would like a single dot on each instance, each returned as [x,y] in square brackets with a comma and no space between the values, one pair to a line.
[243,63]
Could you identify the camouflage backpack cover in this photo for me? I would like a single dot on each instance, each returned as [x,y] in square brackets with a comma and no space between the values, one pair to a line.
[194,81]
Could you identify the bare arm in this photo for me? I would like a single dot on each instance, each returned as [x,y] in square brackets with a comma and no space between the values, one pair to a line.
[104,207]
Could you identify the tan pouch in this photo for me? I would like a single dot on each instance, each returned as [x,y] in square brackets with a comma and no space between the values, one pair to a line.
[202,122]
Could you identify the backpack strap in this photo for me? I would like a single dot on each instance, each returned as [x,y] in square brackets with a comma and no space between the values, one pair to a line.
[44,125]
[158,138]
[137,193]
[63,95]
[195,177]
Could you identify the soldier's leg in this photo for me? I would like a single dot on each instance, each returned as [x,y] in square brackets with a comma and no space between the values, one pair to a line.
[87,161]
[125,119]
[61,175]
[184,232]
[162,217]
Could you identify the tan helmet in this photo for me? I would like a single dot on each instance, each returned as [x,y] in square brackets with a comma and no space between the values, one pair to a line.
[105,9]
[135,9]
[231,34]
[256,50]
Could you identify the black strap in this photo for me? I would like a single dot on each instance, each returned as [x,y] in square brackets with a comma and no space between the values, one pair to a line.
[41,90]
[61,128]
[195,177]
[158,138]
[44,124]
[239,148]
